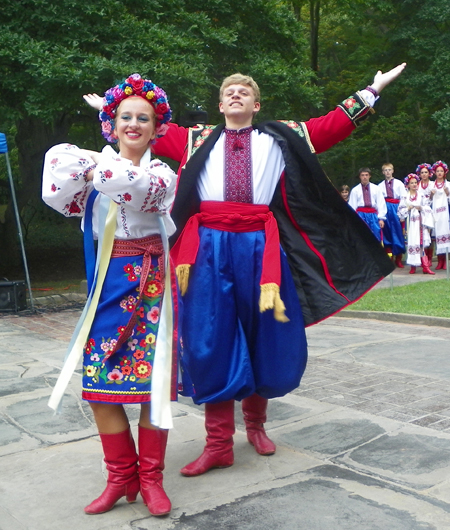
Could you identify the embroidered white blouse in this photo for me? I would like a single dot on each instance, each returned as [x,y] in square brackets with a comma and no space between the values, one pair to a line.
[140,192]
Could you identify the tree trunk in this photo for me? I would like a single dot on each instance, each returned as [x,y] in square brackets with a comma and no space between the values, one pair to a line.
[314,11]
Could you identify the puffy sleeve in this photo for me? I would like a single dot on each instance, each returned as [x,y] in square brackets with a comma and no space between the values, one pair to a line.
[64,187]
[148,188]
[353,199]
[402,211]
[427,213]
[381,204]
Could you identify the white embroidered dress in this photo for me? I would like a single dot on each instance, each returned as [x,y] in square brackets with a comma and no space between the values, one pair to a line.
[440,202]
[417,222]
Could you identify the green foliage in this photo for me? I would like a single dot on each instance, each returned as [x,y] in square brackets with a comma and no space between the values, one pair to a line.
[54,51]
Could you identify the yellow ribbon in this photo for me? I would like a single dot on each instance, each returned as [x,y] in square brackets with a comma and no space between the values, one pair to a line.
[77,350]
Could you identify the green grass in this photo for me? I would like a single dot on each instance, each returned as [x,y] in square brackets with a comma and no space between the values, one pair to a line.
[55,287]
[422,298]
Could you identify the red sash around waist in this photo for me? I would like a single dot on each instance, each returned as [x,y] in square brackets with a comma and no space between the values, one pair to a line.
[393,201]
[232,217]
[366,209]
[235,217]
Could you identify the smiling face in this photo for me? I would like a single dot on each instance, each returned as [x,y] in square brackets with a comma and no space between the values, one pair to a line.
[135,127]
[238,105]
[364,177]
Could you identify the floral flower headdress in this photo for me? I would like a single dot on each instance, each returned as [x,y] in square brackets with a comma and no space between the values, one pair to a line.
[409,177]
[439,163]
[424,166]
[134,86]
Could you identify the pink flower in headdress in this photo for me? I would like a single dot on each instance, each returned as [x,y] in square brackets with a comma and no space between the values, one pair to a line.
[162,129]
[106,127]
[159,92]
[136,83]
[118,94]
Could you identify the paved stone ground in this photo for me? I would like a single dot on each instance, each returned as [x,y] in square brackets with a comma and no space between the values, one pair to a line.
[363,443]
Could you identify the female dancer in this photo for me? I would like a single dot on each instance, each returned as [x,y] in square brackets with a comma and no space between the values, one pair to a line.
[424,172]
[344,190]
[440,196]
[122,350]
[414,209]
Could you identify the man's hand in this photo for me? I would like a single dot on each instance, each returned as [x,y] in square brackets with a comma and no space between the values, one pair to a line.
[94,101]
[381,223]
[381,80]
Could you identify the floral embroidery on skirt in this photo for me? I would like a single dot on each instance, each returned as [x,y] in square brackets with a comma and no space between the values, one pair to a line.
[126,376]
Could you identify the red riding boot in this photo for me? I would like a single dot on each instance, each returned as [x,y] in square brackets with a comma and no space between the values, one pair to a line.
[429,255]
[152,451]
[441,262]
[254,409]
[398,261]
[218,452]
[426,265]
[123,479]
[412,270]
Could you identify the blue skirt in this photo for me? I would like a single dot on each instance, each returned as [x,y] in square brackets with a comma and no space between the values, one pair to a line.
[392,231]
[125,377]
[230,349]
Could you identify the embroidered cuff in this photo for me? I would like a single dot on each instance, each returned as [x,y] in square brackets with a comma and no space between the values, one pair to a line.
[356,108]
[86,171]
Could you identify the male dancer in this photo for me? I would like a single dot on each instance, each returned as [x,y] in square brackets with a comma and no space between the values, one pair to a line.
[242,191]
[392,190]
[368,201]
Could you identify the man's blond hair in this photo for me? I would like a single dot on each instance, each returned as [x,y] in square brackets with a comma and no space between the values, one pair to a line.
[388,165]
[239,79]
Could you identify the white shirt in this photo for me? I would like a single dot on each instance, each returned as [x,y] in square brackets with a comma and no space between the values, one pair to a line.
[141,192]
[356,199]
[398,188]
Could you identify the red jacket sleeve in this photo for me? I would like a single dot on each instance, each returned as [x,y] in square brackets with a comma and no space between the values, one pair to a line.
[329,130]
[173,144]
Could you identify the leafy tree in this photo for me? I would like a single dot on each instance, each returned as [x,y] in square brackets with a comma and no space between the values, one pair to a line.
[52,52]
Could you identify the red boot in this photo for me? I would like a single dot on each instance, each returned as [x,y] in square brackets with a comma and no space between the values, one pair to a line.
[123,479]
[398,261]
[441,262]
[429,255]
[426,265]
[254,409]
[152,451]
[218,452]
[412,270]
